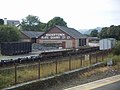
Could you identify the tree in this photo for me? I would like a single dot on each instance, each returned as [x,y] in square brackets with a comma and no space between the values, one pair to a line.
[114,32]
[110,32]
[104,33]
[9,34]
[31,23]
[56,21]
[94,33]
[42,26]
[1,21]
[118,32]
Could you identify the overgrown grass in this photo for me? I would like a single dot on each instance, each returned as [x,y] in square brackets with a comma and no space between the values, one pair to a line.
[63,66]
[30,72]
[47,69]
[116,59]
[6,78]
[26,73]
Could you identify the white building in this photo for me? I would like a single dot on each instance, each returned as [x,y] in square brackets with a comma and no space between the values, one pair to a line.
[11,22]
[107,43]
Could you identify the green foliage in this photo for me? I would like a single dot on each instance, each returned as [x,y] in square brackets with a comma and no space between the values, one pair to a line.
[30,23]
[116,50]
[42,26]
[1,21]
[116,59]
[110,32]
[56,21]
[103,33]
[94,33]
[9,34]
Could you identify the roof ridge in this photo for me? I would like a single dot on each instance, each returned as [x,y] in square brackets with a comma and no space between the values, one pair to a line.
[62,29]
[32,33]
[71,31]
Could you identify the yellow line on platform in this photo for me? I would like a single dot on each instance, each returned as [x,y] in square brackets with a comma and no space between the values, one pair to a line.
[96,84]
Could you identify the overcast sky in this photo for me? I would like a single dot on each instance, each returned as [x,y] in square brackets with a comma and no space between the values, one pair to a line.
[79,14]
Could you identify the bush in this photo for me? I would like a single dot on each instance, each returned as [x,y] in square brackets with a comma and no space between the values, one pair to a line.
[116,50]
[9,33]
[116,59]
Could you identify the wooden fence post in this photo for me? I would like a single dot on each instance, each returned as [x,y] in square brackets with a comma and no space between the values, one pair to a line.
[69,62]
[102,56]
[81,61]
[39,69]
[56,66]
[96,57]
[15,73]
[90,58]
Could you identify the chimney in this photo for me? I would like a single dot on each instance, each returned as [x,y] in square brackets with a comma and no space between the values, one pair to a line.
[5,21]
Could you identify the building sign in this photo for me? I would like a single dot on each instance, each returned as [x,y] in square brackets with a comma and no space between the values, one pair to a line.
[55,36]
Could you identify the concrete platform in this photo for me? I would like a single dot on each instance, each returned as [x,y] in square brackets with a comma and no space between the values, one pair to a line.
[20,56]
[100,84]
[33,53]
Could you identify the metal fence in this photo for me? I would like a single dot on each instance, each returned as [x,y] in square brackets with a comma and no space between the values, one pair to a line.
[23,73]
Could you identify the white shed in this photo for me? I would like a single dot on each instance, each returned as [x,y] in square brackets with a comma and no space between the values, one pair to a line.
[107,43]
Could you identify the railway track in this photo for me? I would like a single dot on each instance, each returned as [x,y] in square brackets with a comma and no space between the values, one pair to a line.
[49,56]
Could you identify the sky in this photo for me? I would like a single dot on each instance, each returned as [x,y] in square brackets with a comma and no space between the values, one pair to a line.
[79,14]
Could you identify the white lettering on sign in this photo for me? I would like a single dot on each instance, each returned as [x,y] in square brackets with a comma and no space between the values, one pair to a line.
[55,36]
[68,37]
[44,37]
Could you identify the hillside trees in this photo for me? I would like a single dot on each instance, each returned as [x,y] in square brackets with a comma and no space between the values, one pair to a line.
[103,33]
[94,33]
[110,32]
